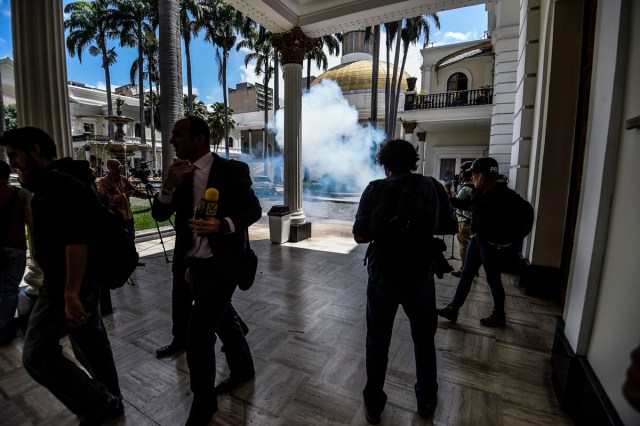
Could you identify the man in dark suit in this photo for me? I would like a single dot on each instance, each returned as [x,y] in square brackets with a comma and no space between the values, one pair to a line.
[208,252]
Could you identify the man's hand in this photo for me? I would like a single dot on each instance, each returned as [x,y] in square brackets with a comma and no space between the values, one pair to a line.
[177,171]
[76,315]
[204,226]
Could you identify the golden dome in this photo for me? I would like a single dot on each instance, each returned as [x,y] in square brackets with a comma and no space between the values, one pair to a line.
[357,75]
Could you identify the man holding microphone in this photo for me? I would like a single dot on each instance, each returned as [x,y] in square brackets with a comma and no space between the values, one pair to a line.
[207,256]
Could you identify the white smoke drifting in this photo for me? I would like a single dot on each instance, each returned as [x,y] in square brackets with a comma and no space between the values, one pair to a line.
[337,151]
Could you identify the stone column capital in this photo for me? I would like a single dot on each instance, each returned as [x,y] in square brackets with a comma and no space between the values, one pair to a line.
[409,126]
[293,45]
[422,136]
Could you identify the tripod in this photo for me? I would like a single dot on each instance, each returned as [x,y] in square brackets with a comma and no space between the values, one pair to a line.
[151,192]
[453,240]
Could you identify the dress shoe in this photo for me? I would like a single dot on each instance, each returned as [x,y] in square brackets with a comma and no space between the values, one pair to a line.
[427,408]
[448,312]
[201,413]
[115,409]
[229,385]
[496,319]
[457,273]
[169,350]
[372,418]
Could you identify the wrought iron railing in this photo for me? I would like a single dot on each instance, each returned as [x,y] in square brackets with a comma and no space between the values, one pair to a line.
[482,96]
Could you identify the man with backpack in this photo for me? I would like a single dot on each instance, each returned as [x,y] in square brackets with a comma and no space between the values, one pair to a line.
[398,216]
[68,303]
[499,217]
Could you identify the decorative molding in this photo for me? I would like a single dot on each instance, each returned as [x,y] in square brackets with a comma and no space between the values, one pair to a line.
[409,126]
[292,45]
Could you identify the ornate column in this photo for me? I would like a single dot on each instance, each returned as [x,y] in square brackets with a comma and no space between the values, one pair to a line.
[40,69]
[293,45]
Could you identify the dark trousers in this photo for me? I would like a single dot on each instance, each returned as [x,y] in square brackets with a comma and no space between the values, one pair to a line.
[86,396]
[481,253]
[416,294]
[181,301]
[212,284]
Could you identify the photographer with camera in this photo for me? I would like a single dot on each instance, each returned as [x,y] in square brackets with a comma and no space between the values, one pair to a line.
[118,189]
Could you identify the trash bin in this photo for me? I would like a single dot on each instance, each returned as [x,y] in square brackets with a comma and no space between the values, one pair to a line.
[279,223]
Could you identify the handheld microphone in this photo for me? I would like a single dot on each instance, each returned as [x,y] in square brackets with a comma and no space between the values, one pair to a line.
[209,204]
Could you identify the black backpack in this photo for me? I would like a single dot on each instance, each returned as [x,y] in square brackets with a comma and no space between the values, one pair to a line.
[112,254]
[520,219]
[398,225]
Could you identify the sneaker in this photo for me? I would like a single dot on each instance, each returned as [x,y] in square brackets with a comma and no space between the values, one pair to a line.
[372,417]
[496,319]
[426,409]
[457,273]
[448,312]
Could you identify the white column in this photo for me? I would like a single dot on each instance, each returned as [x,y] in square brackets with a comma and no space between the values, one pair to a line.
[250,141]
[292,141]
[293,45]
[41,70]
[526,80]
[505,46]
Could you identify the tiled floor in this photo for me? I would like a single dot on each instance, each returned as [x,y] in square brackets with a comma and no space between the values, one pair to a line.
[307,321]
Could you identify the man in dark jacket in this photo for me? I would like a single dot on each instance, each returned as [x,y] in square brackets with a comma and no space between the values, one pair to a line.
[401,279]
[492,210]
[68,300]
[209,248]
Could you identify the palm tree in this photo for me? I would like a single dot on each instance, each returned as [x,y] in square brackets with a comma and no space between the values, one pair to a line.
[188,29]
[221,24]
[263,53]
[152,73]
[332,42]
[414,29]
[131,17]
[198,108]
[170,74]
[89,23]
[219,119]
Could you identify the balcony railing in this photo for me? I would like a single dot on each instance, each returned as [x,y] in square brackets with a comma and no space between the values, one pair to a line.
[452,99]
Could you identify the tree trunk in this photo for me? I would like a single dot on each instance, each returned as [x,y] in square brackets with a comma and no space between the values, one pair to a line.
[187,52]
[394,81]
[276,83]
[266,120]
[107,78]
[308,73]
[397,97]
[374,76]
[143,139]
[226,106]
[152,125]
[171,107]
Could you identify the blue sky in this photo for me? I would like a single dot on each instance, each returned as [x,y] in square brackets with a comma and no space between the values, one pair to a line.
[456,25]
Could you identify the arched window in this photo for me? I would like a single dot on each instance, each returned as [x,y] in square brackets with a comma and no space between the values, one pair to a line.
[456,82]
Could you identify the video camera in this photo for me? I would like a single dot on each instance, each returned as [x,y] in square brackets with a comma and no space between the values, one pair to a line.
[141,172]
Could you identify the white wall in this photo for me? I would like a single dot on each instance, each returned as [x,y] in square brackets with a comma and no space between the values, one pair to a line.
[616,322]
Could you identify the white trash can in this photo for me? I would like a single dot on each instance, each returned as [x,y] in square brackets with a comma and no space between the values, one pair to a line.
[279,224]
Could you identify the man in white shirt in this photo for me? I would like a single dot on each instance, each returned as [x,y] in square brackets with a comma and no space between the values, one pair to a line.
[208,252]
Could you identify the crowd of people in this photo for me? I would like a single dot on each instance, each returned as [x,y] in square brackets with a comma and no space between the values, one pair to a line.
[402,209]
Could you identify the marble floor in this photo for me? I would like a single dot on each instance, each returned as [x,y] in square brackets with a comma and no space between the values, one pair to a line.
[306,315]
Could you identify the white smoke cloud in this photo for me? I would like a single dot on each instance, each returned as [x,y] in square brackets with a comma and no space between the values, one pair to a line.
[336,149]
[100,85]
